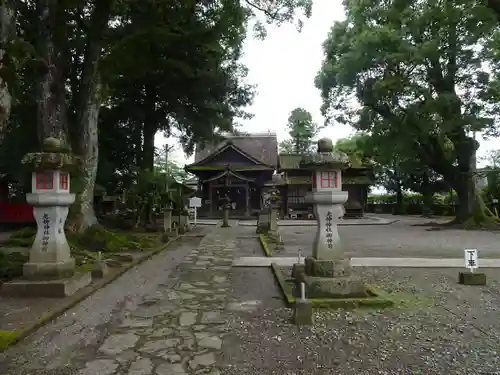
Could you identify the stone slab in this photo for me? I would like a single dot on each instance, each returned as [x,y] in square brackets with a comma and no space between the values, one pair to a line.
[337,287]
[47,288]
[371,262]
[205,221]
[371,220]
[472,278]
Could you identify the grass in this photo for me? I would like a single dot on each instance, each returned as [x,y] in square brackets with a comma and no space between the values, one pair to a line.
[265,245]
[377,299]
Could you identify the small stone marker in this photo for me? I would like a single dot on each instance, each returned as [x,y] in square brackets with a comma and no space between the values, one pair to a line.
[303,312]
[471,263]
[99,268]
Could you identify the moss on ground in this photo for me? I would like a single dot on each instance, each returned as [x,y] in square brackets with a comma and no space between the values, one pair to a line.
[84,247]
[263,239]
[11,265]
[377,300]
[7,338]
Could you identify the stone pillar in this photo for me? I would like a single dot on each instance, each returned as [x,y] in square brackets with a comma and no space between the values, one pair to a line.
[50,271]
[327,272]
[263,221]
[274,226]
[225,211]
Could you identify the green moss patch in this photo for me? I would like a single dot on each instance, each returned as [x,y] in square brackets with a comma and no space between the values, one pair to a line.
[11,264]
[377,299]
[265,245]
[7,338]
[84,247]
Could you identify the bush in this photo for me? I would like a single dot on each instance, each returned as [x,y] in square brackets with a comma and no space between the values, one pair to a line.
[98,238]
[11,265]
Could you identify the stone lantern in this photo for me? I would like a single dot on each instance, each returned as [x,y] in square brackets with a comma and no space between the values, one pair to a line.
[50,271]
[226,206]
[327,272]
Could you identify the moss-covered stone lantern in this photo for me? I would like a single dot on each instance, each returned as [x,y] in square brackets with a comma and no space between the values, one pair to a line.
[50,271]
[327,272]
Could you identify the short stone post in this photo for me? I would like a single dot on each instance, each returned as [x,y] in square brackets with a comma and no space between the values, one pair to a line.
[328,272]
[99,268]
[302,312]
[50,271]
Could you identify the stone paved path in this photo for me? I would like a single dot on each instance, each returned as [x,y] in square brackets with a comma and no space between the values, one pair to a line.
[177,328]
[185,339]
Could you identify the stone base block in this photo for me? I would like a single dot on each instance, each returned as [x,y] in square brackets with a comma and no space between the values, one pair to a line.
[327,268]
[46,288]
[172,233]
[99,271]
[48,271]
[338,287]
[471,278]
[303,313]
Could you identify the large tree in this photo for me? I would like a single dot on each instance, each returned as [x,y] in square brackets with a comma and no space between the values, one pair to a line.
[419,71]
[301,129]
[7,42]
[147,65]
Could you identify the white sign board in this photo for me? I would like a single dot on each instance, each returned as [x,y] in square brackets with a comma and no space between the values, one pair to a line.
[471,259]
[195,202]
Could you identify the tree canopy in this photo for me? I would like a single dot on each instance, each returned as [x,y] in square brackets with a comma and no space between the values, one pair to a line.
[302,130]
[105,76]
[422,73]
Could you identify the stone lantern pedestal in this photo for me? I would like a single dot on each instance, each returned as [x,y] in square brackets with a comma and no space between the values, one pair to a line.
[263,220]
[50,271]
[327,274]
[167,223]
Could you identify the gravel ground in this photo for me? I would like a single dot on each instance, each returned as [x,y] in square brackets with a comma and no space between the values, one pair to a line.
[400,239]
[437,327]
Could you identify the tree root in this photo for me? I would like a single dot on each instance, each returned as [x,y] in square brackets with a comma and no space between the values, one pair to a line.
[486,223]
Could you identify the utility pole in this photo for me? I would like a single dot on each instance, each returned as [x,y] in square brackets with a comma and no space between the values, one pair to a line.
[167,174]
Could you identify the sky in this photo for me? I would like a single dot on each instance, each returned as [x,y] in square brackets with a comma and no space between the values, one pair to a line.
[283,66]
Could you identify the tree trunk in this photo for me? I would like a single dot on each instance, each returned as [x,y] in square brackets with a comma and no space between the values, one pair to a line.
[471,207]
[89,154]
[150,128]
[88,103]
[148,150]
[7,14]
[398,209]
[427,196]
[52,116]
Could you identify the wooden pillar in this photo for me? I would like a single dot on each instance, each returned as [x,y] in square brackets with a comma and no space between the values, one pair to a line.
[247,201]
[211,198]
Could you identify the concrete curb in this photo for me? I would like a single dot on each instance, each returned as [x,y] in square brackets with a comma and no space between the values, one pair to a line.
[44,319]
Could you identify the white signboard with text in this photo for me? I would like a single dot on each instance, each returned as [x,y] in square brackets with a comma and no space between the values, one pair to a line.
[471,259]
[195,202]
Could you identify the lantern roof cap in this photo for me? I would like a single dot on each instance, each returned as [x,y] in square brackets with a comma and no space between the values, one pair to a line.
[326,157]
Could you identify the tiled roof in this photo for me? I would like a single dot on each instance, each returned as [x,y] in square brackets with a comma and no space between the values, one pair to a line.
[263,148]
[292,161]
